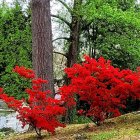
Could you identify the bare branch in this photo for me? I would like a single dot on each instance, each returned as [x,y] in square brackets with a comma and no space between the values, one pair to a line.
[62,19]
[66,38]
[66,6]
[60,53]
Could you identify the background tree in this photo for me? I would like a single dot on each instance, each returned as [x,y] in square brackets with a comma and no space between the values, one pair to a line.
[74,31]
[108,28]
[111,29]
[15,47]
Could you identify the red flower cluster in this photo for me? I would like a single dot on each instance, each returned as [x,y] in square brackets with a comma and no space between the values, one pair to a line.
[41,111]
[24,72]
[102,86]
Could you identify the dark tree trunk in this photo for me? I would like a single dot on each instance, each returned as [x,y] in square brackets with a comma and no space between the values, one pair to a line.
[42,50]
[74,36]
[73,48]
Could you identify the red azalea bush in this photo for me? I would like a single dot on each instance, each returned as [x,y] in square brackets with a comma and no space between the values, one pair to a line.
[41,111]
[102,87]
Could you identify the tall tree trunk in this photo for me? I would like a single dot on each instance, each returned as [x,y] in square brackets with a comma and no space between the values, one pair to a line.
[74,35]
[73,49]
[42,50]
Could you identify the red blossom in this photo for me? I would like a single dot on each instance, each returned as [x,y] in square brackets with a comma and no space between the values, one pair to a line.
[102,86]
[41,111]
[24,72]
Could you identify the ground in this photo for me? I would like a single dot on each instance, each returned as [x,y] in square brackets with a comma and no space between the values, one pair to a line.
[125,127]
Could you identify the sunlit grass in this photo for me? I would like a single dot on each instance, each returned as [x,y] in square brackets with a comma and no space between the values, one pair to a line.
[104,135]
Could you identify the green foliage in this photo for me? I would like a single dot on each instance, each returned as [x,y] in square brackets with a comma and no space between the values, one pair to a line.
[2,135]
[111,28]
[81,120]
[15,47]
[7,130]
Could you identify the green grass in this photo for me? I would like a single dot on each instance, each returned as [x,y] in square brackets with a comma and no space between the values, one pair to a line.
[125,127]
[104,135]
[2,135]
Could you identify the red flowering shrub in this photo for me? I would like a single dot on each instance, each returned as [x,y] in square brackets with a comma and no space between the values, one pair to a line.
[41,111]
[102,87]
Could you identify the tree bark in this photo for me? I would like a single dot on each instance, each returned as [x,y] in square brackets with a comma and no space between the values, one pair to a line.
[72,53]
[74,36]
[73,48]
[42,50]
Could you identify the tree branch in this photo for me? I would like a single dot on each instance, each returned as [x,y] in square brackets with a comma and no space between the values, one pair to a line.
[60,53]
[84,27]
[66,38]
[62,19]
[66,6]
[38,132]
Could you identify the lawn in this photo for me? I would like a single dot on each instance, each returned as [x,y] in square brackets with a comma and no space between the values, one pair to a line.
[125,127]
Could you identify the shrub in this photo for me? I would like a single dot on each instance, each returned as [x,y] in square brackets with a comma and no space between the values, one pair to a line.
[101,88]
[40,111]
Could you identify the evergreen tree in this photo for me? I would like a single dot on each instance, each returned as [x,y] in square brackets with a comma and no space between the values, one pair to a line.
[15,47]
